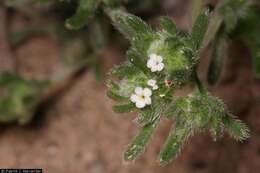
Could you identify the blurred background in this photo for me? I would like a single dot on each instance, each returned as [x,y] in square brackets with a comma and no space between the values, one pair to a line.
[54,111]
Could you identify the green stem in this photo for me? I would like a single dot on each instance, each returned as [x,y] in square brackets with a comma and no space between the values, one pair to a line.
[199,84]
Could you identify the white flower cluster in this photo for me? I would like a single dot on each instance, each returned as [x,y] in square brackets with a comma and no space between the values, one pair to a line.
[155,63]
[153,83]
[142,96]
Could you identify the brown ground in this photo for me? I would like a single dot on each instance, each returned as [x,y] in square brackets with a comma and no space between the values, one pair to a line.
[78,132]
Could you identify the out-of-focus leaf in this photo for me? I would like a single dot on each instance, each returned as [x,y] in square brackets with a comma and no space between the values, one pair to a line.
[248,31]
[216,64]
[86,9]
[20,98]
[124,108]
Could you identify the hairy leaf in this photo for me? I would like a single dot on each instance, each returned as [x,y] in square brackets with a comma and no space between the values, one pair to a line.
[168,25]
[113,95]
[175,142]
[235,128]
[136,59]
[124,108]
[140,141]
[123,70]
[199,29]
[130,25]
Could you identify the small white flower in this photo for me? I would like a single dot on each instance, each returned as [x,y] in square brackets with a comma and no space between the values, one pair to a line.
[142,97]
[155,63]
[152,83]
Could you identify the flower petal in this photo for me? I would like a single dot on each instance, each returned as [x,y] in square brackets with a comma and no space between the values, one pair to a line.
[147,92]
[140,104]
[134,98]
[148,100]
[155,87]
[159,58]
[139,90]
[154,69]
[151,82]
[150,63]
[160,67]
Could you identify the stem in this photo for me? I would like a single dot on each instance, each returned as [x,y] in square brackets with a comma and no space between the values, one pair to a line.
[199,84]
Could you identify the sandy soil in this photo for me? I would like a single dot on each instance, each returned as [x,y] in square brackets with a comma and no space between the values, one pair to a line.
[78,132]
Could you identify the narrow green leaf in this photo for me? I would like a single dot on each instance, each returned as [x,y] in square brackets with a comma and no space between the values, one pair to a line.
[199,29]
[213,28]
[114,96]
[86,9]
[174,143]
[130,25]
[235,128]
[124,70]
[168,25]
[140,141]
[124,108]
[196,9]
[216,127]
[217,60]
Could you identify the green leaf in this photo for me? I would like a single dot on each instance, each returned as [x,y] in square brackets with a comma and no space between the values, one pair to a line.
[174,142]
[248,31]
[199,29]
[151,113]
[20,99]
[171,111]
[85,10]
[130,25]
[124,108]
[213,28]
[115,96]
[140,141]
[137,60]
[168,25]
[217,60]
[230,18]
[216,127]
[123,70]
[235,128]
[196,9]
